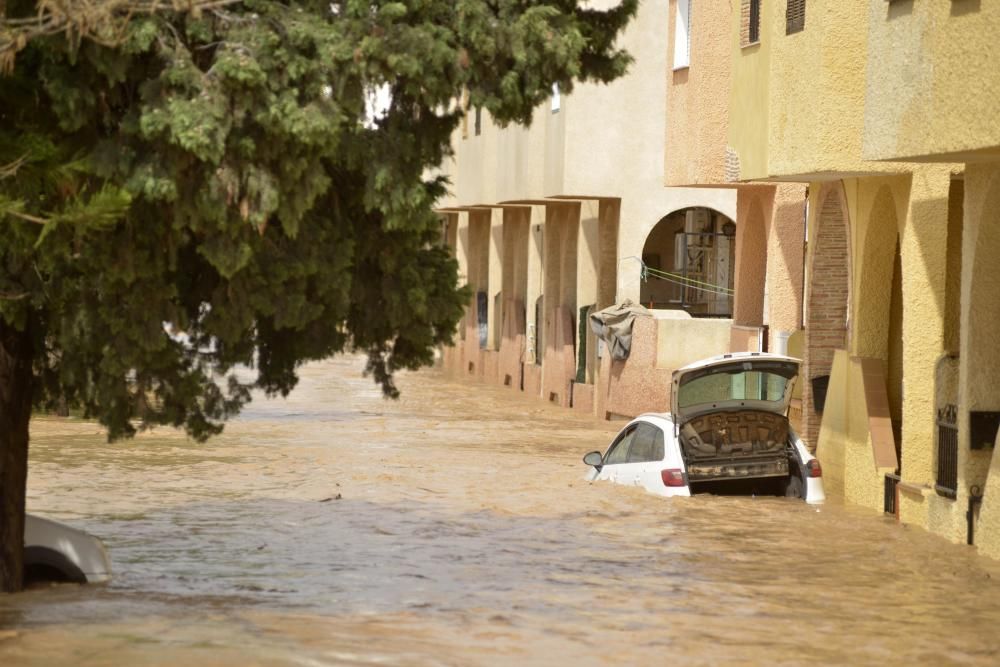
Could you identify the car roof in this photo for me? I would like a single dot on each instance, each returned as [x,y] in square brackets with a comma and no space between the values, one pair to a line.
[665,416]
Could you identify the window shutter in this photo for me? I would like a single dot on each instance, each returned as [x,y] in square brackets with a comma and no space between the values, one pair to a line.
[795,16]
[749,22]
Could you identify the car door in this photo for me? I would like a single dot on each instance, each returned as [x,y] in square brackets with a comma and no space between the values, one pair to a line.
[617,457]
[645,457]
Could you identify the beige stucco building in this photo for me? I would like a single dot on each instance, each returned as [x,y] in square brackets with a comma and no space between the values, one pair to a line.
[864,129]
[581,210]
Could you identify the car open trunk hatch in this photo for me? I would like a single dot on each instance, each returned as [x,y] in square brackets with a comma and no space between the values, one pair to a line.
[747,381]
[731,415]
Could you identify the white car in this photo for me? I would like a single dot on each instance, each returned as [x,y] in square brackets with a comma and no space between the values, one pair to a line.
[57,552]
[728,429]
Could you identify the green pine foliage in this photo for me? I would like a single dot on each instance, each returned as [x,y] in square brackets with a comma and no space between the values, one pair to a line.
[207,193]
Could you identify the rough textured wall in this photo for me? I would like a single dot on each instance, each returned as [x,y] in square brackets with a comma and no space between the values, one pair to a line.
[932,80]
[636,385]
[682,340]
[697,122]
[560,270]
[748,100]
[923,247]
[753,209]
[817,86]
[844,445]
[786,258]
[513,327]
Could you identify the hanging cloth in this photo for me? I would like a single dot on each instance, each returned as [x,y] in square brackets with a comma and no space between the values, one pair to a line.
[613,325]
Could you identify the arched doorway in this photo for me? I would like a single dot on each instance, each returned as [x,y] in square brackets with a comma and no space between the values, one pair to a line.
[827,309]
[879,326]
[688,263]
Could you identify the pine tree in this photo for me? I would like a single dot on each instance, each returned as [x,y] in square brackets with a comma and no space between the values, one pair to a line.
[209,192]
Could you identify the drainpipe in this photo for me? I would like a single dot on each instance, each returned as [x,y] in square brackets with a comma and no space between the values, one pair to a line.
[975,498]
[779,342]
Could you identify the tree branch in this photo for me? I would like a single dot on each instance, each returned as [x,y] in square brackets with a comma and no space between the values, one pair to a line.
[103,21]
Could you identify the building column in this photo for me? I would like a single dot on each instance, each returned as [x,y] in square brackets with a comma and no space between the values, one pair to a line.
[979,357]
[923,251]
[534,302]
[785,263]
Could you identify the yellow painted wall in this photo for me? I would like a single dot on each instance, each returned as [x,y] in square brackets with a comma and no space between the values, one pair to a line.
[749,94]
[817,81]
[913,211]
[682,340]
[933,81]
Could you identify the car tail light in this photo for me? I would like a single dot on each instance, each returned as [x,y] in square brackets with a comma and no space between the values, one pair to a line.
[672,477]
[813,468]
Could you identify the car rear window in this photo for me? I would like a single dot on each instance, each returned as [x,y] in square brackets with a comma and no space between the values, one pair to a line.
[755,385]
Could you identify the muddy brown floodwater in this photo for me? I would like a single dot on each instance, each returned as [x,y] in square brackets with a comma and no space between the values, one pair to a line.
[463,534]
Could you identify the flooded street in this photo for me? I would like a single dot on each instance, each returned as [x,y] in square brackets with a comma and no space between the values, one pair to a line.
[453,527]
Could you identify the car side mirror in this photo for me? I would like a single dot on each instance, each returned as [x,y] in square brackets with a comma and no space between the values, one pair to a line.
[594,459]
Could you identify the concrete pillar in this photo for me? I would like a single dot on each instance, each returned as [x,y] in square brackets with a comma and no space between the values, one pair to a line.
[752,204]
[513,313]
[785,260]
[979,358]
[535,281]
[560,252]
[923,246]
[587,272]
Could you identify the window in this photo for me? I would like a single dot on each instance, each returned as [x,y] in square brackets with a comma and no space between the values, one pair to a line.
[647,444]
[749,22]
[795,16]
[482,318]
[556,100]
[682,35]
[618,452]
[479,121]
[539,327]
[729,386]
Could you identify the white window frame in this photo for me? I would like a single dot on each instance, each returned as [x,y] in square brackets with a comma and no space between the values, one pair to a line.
[682,35]
[556,98]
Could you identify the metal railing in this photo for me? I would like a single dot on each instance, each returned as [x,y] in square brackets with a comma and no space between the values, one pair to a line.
[947,452]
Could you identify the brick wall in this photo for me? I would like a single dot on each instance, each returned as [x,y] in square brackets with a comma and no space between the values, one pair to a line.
[826,324]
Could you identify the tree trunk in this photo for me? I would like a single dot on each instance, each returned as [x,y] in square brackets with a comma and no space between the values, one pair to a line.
[15,413]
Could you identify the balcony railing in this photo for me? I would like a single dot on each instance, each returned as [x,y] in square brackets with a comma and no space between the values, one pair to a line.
[947,451]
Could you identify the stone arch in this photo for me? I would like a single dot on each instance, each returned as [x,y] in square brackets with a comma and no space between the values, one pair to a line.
[874,295]
[689,255]
[648,227]
[827,305]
